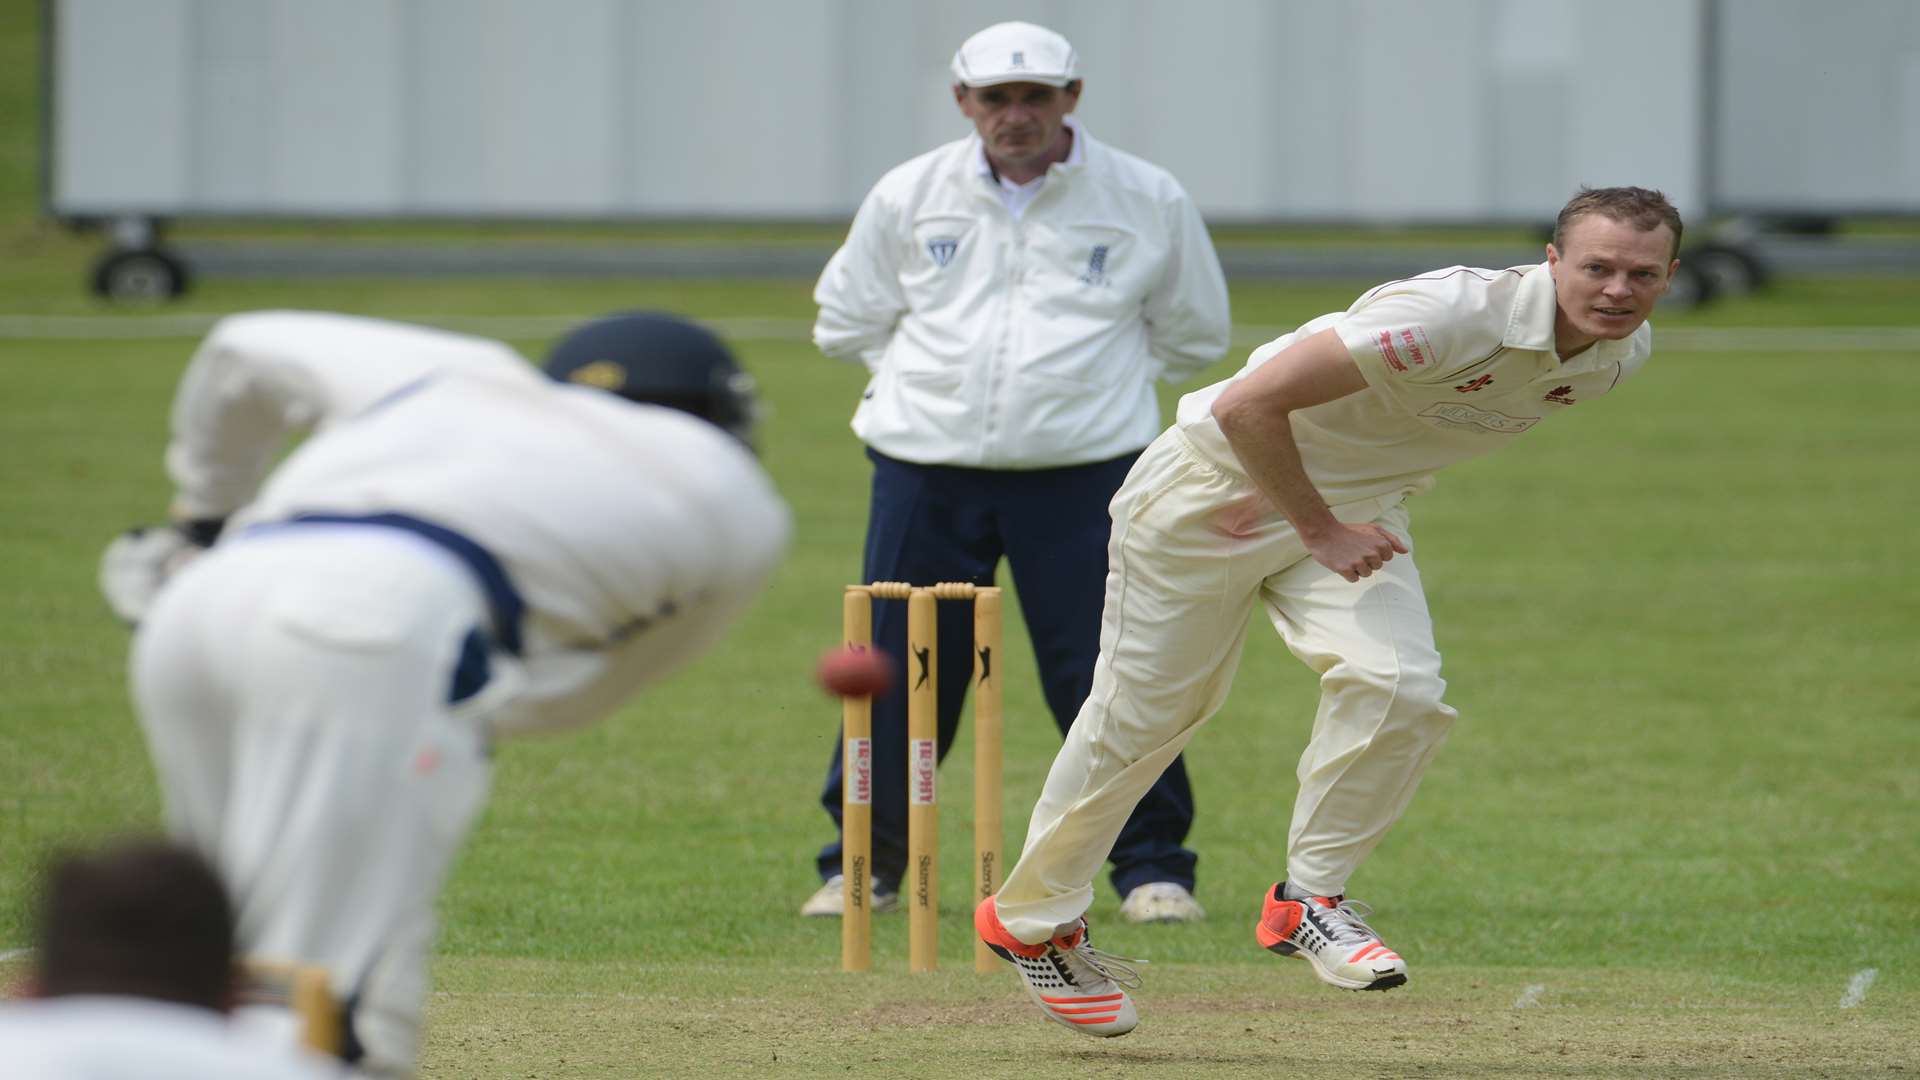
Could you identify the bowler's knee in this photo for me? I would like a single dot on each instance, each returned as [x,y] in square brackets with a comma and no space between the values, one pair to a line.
[1403,699]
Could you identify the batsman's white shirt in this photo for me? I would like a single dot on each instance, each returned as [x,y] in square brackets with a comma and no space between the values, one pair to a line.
[261,376]
[89,1037]
[1458,362]
[635,533]
[1026,341]
[294,682]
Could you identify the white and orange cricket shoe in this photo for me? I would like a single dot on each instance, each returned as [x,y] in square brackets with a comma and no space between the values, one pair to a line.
[1330,932]
[1074,984]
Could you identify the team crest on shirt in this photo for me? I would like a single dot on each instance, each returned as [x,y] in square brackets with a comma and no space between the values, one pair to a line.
[1459,414]
[1096,272]
[942,248]
[1559,395]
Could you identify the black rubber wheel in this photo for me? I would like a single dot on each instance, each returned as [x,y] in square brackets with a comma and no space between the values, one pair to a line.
[142,274]
[1734,270]
[1692,287]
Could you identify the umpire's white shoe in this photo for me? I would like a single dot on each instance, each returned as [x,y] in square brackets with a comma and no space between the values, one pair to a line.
[1074,984]
[830,900]
[1161,901]
[1330,933]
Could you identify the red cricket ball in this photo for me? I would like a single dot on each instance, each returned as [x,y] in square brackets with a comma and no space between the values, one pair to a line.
[854,672]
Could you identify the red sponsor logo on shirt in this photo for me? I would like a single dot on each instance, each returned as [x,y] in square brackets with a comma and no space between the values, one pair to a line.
[1419,349]
[1480,383]
[1560,395]
[1389,353]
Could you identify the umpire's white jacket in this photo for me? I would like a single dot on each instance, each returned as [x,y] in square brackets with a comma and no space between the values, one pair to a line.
[1007,343]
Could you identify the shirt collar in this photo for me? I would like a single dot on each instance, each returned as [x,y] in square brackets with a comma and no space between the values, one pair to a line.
[1076,154]
[1530,325]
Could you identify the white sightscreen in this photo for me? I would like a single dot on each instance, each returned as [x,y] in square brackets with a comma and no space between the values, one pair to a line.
[1819,106]
[1355,110]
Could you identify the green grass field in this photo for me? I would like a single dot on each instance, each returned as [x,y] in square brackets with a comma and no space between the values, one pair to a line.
[1672,833]
[1675,822]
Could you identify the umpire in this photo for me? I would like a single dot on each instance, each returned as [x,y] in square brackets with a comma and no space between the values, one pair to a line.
[1015,294]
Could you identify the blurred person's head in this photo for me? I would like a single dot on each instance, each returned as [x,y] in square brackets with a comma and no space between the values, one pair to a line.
[140,918]
[1613,255]
[1017,82]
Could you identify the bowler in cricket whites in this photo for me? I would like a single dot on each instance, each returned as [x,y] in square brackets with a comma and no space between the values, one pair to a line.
[1286,489]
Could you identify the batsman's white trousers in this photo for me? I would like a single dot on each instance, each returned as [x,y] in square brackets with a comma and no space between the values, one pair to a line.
[1186,564]
[293,687]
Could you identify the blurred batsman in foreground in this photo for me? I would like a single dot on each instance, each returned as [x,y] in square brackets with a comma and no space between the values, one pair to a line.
[1285,487]
[466,549]
[134,976]
[1015,294]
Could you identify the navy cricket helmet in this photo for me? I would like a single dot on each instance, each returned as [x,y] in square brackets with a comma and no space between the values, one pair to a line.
[660,359]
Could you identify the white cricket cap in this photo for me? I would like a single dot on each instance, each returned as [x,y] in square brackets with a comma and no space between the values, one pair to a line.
[1015,52]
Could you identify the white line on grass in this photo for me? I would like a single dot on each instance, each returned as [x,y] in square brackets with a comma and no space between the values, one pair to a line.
[1815,339]
[1788,339]
[15,954]
[1530,996]
[543,995]
[1857,987]
[188,325]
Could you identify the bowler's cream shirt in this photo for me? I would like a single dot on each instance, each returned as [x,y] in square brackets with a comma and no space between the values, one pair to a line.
[1458,362]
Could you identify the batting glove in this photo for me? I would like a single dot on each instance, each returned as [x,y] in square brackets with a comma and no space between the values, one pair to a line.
[140,561]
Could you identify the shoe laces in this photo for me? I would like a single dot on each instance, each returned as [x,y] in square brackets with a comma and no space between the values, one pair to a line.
[1115,969]
[1346,922]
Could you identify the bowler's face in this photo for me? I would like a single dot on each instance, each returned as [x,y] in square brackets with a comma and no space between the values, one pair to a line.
[1020,122]
[1608,278]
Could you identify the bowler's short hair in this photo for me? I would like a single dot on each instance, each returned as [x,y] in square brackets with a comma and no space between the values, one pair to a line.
[1643,208]
[140,918]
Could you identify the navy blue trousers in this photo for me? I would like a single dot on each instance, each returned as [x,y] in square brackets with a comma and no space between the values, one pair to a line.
[932,523]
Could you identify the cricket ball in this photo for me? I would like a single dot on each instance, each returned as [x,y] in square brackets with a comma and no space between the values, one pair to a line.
[854,672]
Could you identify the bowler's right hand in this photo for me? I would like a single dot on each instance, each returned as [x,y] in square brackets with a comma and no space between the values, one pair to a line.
[1353,551]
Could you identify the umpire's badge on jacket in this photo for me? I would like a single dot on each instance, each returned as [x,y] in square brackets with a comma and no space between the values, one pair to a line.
[942,249]
[1096,266]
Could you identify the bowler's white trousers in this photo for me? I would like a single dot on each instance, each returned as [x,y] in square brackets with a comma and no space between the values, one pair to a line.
[1187,561]
[293,687]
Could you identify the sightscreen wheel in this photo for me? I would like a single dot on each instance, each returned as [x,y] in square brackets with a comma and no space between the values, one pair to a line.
[1734,270]
[140,275]
[1692,287]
